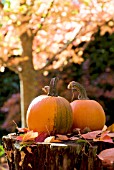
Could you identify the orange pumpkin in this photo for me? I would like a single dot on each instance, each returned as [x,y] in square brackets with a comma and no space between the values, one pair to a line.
[50,113]
[86,113]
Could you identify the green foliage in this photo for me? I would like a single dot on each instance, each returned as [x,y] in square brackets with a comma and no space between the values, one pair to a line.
[101,54]
[1,150]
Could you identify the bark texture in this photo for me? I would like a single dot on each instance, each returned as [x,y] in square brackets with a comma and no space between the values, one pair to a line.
[52,156]
[28,76]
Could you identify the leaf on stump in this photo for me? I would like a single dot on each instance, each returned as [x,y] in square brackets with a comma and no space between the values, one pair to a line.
[111,135]
[104,137]
[111,128]
[104,128]
[22,130]
[74,138]
[62,137]
[27,136]
[91,135]
[51,139]
[20,137]
[41,137]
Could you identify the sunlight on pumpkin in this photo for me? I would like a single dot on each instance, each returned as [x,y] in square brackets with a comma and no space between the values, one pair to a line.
[50,113]
[86,112]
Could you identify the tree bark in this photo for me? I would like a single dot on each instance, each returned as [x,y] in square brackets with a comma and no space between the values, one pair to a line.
[52,156]
[28,90]
[31,80]
[28,77]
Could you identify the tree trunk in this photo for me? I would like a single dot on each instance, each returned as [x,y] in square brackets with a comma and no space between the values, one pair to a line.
[31,80]
[28,90]
[28,77]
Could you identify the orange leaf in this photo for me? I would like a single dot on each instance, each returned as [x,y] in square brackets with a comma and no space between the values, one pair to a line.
[29,136]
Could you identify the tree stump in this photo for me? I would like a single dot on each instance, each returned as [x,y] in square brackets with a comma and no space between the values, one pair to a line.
[67,155]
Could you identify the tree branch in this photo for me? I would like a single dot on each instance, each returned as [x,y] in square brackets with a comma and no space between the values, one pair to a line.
[13,67]
[82,28]
[62,49]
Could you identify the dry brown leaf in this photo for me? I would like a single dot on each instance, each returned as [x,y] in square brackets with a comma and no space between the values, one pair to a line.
[62,137]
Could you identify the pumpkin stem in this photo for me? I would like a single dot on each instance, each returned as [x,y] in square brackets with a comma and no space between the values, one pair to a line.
[46,89]
[53,87]
[81,90]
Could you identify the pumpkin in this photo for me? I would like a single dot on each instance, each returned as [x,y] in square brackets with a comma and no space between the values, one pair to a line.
[50,113]
[86,112]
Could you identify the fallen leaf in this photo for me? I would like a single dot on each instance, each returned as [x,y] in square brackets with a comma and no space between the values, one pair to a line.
[20,137]
[73,138]
[111,135]
[51,139]
[62,137]
[30,135]
[107,157]
[104,137]
[41,137]
[105,133]
[91,135]
[111,128]
[22,130]
[104,128]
